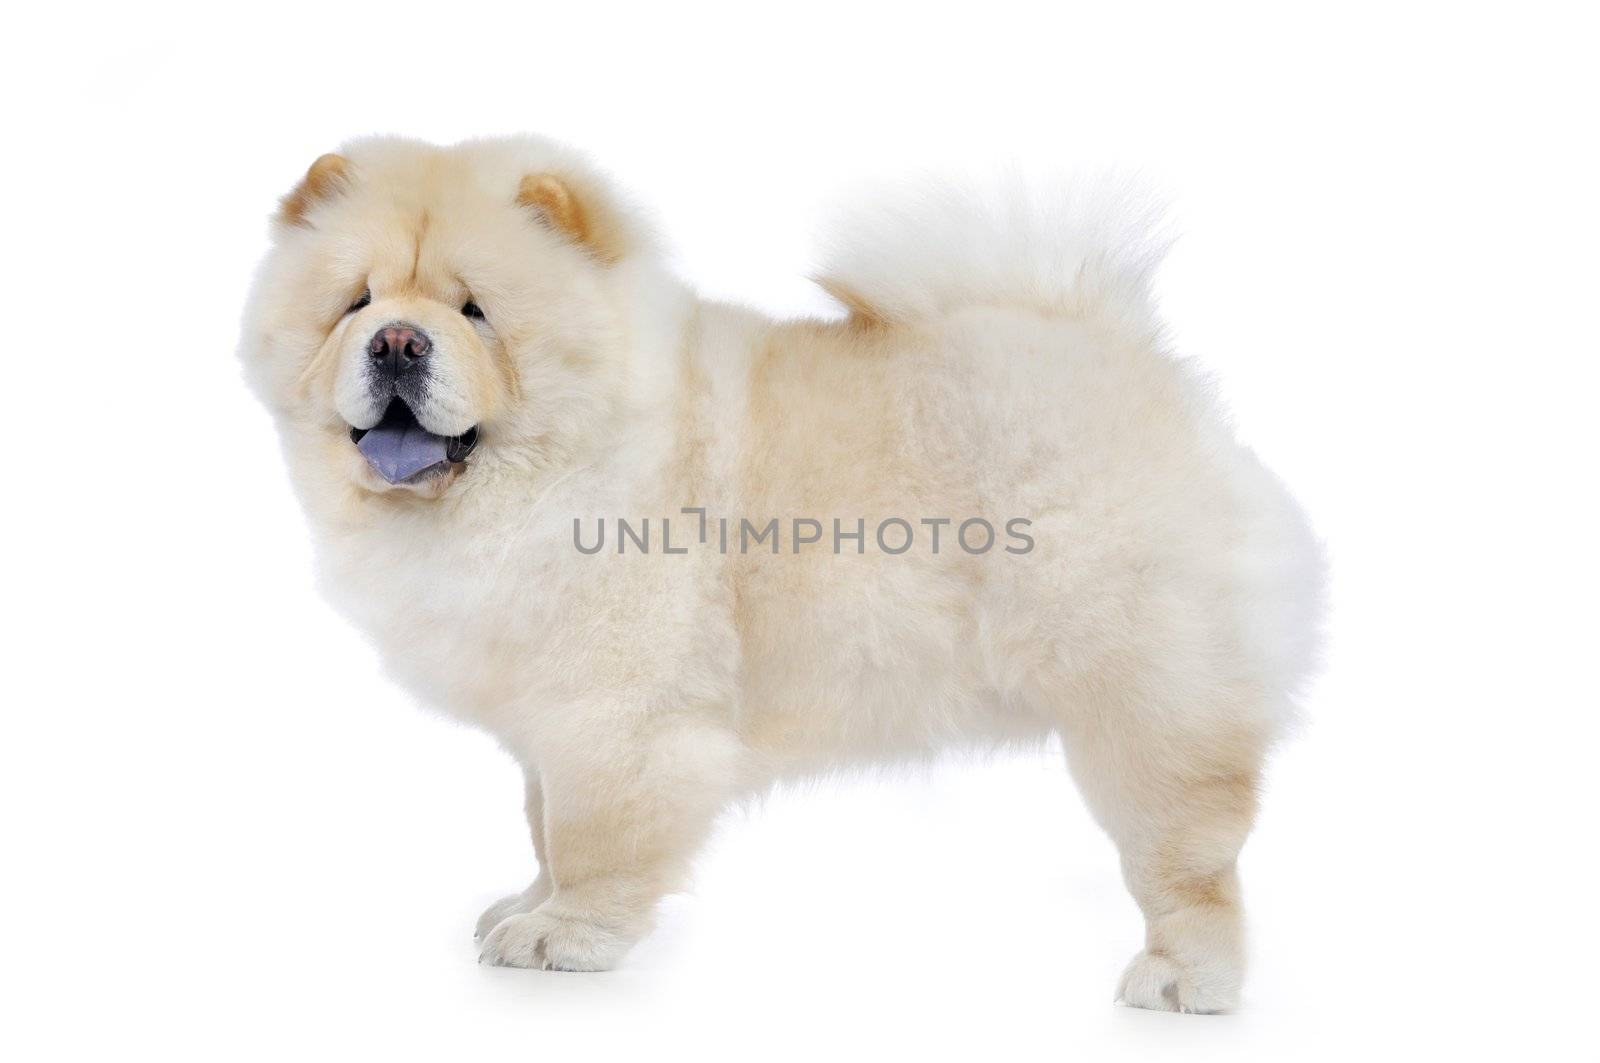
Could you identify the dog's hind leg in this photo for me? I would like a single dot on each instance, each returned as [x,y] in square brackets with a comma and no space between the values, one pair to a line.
[1179,804]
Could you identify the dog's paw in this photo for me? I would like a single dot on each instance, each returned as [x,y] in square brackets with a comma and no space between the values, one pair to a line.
[505,907]
[1159,983]
[498,912]
[544,940]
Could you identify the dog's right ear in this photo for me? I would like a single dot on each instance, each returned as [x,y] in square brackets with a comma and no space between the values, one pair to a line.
[328,176]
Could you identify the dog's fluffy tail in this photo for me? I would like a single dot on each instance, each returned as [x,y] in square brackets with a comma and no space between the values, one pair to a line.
[1084,249]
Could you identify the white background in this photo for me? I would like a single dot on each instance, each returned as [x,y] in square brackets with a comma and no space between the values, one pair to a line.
[226,837]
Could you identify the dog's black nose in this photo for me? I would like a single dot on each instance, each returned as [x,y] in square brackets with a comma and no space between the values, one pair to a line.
[396,348]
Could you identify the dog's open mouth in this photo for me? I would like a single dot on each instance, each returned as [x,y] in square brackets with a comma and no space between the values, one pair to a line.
[400,450]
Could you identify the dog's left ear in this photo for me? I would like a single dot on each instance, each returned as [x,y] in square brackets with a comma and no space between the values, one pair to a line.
[577,213]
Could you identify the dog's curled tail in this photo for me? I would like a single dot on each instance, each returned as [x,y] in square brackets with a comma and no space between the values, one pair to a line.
[1083,249]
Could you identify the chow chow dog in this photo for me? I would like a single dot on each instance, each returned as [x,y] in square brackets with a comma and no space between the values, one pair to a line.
[669,551]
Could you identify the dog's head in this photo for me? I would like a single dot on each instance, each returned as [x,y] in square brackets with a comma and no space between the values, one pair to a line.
[427,310]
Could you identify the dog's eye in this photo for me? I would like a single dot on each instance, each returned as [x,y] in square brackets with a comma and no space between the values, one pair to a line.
[473,310]
[366,297]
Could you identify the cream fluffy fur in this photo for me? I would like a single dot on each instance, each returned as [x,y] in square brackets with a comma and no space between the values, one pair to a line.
[1002,360]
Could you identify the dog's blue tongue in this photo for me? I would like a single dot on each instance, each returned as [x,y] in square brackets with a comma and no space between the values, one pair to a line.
[400,448]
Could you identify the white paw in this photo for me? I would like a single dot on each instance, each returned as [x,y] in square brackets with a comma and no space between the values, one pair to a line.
[516,904]
[1158,982]
[496,913]
[544,940]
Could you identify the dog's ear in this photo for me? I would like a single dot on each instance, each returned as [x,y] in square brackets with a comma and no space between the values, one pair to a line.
[577,213]
[328,176]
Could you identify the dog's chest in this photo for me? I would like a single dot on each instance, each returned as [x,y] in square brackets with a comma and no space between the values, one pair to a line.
[459,616]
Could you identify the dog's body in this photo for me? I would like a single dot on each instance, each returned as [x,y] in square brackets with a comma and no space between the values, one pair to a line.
[1144,589]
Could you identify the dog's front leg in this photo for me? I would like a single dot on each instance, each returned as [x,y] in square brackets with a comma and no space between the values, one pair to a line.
[540,890]
[628,800]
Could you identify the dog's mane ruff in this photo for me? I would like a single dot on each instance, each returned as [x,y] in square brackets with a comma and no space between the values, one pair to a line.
[1084,248]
